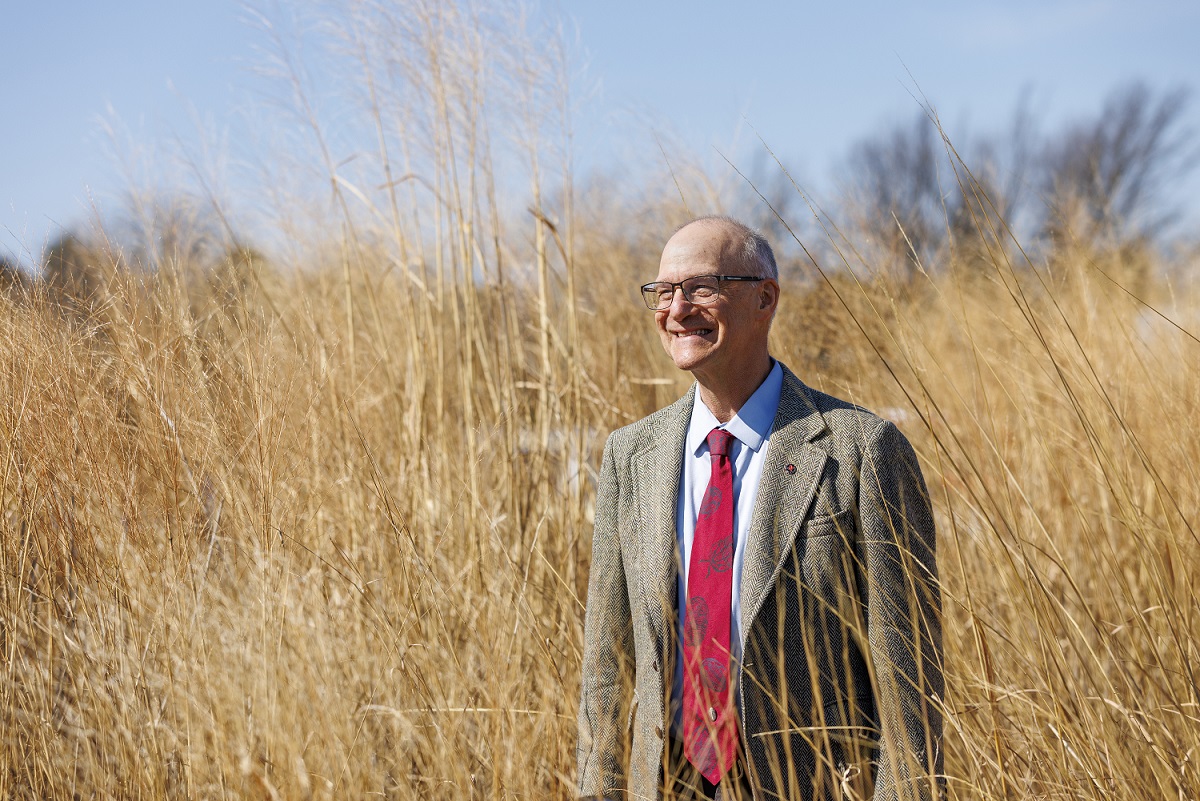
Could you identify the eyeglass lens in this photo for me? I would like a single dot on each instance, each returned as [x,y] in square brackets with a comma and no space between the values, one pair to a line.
[700,290]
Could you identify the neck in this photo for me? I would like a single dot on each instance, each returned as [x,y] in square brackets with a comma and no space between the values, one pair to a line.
[726,395]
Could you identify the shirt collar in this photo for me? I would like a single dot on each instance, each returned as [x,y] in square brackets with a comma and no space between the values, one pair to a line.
[752,423]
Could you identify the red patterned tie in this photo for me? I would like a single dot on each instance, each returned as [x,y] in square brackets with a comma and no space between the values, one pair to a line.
[710,729]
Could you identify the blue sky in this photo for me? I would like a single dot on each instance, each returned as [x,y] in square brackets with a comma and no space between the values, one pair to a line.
[89,89]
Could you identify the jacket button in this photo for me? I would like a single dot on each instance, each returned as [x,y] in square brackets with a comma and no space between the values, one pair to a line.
[655,666]
[658,732]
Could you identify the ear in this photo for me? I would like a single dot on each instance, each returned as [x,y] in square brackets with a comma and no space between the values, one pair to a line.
[768,295]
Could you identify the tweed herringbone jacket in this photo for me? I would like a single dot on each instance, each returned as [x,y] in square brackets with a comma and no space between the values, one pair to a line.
[840,682]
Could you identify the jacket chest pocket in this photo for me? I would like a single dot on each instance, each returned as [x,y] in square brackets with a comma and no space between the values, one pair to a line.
[842,523]
[825,549]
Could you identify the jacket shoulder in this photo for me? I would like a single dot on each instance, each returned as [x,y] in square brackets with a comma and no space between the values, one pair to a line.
[847,423]
[630,439]
[843,414]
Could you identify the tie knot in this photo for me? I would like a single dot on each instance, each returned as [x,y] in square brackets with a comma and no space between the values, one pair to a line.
[719,441]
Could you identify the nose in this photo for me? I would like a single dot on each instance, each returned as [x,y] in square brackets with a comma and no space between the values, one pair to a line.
[680,305]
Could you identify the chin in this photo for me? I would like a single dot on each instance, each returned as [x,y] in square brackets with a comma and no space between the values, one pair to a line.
[689,360]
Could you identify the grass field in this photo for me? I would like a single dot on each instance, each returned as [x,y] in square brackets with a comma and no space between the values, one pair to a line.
[328,536]
[320,527]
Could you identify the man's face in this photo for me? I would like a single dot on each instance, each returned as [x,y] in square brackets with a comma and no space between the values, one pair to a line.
[712,341]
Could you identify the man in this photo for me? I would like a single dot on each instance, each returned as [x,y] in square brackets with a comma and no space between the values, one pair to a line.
[763,612]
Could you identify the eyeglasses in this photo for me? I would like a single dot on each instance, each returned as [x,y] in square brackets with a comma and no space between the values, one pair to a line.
[699,290]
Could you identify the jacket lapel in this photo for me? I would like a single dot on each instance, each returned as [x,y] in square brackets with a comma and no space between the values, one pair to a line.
[785,493]
[656,474]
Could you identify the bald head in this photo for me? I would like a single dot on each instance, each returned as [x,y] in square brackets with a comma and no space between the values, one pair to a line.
[740,244]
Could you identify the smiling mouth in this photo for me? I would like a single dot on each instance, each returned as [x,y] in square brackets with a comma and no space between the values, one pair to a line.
[695,332]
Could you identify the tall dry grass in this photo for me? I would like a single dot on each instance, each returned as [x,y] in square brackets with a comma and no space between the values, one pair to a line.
[322,529]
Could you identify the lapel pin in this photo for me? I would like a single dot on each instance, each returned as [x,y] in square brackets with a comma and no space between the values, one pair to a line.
[791,468]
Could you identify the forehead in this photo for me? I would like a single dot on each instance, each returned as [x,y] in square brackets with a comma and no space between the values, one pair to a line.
[699,249]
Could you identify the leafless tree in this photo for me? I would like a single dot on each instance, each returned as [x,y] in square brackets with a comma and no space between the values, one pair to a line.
[914,193]
[1109,175]
[896,186]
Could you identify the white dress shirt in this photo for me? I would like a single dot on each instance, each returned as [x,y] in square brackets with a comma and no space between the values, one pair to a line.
[752,428]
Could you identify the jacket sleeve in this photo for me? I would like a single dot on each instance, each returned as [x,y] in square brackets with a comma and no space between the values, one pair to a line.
[607,650]
[903,617]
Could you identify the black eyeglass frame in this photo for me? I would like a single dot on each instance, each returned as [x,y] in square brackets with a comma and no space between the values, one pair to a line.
[648,291]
